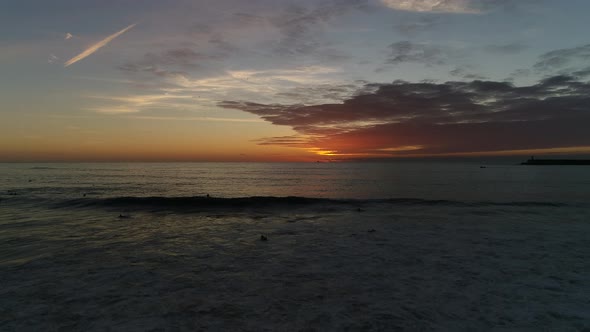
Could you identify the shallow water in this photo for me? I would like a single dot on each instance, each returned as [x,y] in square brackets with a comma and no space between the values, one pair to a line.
[371,247]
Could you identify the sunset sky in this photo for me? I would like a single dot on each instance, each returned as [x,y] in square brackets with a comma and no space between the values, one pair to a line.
[297,80]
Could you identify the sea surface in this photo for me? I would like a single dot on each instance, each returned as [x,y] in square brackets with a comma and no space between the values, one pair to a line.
[349,246]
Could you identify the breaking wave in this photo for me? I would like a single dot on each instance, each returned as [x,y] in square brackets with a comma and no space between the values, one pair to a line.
[200,202]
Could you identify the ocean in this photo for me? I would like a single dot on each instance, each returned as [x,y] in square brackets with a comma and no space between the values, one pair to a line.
[352,246]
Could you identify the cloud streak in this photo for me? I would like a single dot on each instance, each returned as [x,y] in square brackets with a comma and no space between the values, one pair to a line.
[444,6]
[454,6]
[89,51]
[407,51]
[560,58]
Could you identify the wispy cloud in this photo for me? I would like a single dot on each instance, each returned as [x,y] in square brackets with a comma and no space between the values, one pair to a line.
[407,51]
[566,61]
[444,6]
[52,58]
[506,49]
[169,63]
[199,119]
[259,85]
[412,27]
[558,59]
[456,6]
[466,72]
[299,26]
[89,51]
[137,103]
[152,118]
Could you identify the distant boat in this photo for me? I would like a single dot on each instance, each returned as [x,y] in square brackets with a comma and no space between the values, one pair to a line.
[545,162]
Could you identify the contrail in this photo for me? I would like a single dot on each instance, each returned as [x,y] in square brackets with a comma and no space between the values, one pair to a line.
[96,46]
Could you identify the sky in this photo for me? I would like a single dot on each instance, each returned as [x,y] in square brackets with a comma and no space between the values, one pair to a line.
[292,80]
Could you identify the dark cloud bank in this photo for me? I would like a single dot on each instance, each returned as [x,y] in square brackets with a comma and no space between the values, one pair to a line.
[439,118]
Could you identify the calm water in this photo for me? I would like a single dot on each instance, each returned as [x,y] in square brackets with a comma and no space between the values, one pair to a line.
[362,246]
[439,181]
